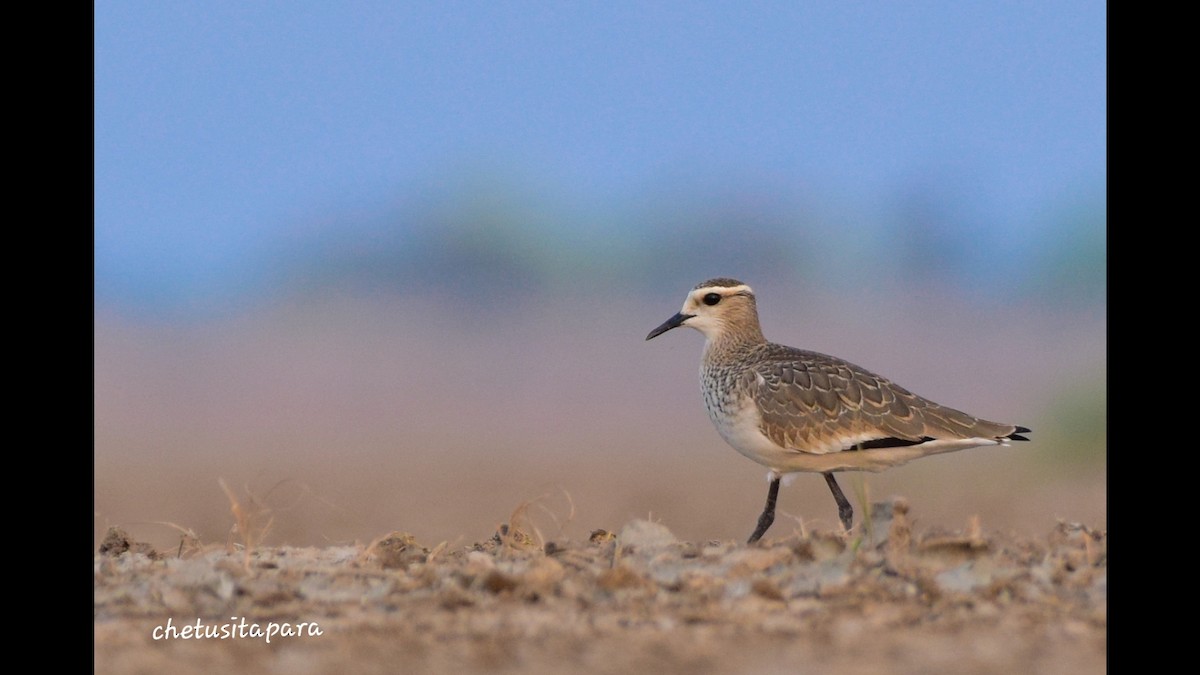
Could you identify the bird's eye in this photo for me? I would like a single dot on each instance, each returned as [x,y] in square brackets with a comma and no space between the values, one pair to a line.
[712,299]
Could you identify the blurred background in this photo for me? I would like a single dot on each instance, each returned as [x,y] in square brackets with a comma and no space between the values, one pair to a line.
[390,266]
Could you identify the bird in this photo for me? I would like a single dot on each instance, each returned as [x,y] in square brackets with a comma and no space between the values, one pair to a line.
[794,410]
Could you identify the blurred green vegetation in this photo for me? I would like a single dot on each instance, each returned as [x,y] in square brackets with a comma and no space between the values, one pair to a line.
[1072,262]
[1077,425]
[484,237]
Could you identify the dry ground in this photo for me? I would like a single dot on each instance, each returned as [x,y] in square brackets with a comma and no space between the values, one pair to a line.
[883,599]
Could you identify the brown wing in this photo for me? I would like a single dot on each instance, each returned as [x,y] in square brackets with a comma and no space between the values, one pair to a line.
[817,403]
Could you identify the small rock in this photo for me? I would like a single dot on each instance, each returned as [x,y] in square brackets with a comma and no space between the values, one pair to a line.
[496,581]
[601,536]
[398,550]
[645,536]
[618,578]
[117,541]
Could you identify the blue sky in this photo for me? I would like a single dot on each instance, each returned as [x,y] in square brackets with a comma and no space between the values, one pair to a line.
[222,128]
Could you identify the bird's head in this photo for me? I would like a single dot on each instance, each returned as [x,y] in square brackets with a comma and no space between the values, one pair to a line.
[715,307]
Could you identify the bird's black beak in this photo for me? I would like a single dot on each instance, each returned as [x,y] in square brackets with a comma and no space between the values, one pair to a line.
[673,322]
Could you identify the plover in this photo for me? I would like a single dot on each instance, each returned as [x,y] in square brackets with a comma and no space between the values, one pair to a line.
[794,410]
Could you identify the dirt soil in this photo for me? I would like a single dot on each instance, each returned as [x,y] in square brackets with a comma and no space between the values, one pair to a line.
[884,598]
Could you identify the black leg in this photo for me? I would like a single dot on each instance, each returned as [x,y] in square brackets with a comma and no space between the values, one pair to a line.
[768,514]
[845,511]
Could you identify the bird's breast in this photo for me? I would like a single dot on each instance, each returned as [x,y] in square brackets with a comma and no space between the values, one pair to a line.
[736,417]
[720,398]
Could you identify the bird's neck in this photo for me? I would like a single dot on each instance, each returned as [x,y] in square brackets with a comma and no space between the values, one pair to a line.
[729,344]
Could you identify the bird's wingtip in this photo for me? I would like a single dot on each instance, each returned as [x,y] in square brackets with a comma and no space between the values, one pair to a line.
[1016,434]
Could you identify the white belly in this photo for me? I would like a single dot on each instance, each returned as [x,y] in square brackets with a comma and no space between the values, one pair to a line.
[740,428]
